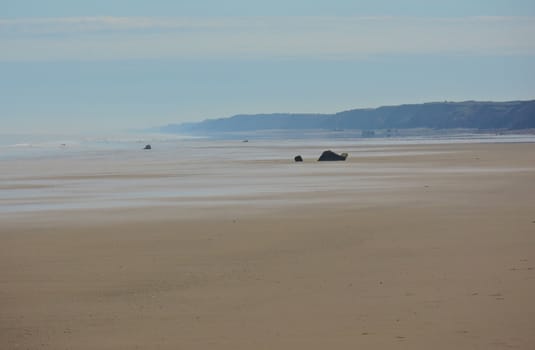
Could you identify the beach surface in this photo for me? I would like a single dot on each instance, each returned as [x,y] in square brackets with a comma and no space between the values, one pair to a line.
[400,247]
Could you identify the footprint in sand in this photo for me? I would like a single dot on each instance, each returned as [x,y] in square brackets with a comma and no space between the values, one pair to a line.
[521,268]
[498,296]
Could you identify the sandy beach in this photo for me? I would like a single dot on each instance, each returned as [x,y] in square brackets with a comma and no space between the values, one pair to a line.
[404,247]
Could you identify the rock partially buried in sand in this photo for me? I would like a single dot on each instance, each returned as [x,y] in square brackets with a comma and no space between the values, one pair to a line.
[331,156]
[298,158]
[148,147]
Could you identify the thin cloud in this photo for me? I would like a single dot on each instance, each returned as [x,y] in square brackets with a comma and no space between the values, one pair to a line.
[109,38]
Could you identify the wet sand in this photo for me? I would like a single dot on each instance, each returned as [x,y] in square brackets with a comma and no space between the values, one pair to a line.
[413,248]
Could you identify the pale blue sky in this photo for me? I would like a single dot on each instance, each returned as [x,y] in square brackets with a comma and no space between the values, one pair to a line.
[79,65]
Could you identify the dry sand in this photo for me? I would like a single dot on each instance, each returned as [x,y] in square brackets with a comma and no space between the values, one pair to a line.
[441,255]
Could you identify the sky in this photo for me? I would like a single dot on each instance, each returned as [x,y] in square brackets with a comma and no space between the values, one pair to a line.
[68,65]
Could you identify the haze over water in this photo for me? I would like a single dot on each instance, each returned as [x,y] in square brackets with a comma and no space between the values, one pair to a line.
[48,173]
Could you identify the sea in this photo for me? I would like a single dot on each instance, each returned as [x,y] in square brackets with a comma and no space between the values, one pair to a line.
[49,172]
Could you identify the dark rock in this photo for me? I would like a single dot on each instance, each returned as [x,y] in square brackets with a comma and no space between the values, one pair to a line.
[331,156]
[298,158]
[148,147]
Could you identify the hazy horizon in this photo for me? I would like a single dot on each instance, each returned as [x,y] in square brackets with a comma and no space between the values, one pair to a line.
[74,67]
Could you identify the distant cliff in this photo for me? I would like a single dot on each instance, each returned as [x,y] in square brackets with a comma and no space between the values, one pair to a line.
[435,115]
